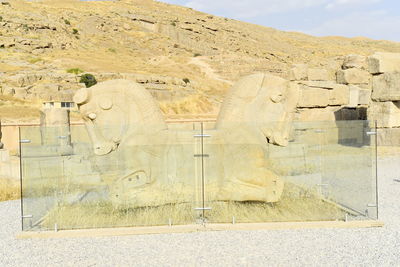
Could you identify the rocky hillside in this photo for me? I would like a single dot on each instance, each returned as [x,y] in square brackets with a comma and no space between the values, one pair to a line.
[185,58]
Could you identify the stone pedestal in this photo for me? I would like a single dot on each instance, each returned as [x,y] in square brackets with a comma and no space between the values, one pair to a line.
[55,129]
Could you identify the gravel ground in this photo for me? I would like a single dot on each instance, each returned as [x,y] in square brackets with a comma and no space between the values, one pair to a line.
[337,247]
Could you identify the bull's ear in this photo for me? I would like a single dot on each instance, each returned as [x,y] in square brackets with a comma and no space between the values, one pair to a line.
[82,96]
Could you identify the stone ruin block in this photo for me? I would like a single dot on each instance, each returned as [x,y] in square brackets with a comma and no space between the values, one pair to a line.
[55,129]
[354,95]
[386,113]
[353,76]
[316,114]
[20,93]
[386,87]
[317,75]
[339,95]
[5,90]
[389,137]
[299,72]
[364,96]
[355,61]
[319,84]
[381,62]
[313,97]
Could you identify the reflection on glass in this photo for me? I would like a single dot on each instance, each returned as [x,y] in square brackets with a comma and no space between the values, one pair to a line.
[191,173]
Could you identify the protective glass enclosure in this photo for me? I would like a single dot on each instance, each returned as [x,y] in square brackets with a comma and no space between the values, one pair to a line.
[76,177]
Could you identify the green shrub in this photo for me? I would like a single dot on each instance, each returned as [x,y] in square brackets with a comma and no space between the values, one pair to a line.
[186,80]
[88,79]
[197,55]
[75,71]
[173,23]
[67,22]
[1,18]
[75,31]
[34,60]
[112,50]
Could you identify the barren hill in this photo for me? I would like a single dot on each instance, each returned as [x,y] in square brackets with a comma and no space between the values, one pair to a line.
[185,58]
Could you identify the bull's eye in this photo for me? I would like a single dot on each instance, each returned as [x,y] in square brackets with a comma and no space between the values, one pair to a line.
[105,103]
[92,116]
[277,98]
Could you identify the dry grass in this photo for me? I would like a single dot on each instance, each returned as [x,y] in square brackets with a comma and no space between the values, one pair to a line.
[9,189]
[296,205]
[195,104]
[14,108]
[384,151]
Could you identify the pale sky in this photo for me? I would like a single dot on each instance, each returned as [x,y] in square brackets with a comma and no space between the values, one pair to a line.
[377,19]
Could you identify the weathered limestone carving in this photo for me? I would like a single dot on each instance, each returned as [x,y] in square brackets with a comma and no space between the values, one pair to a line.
[144,163]
[386,87]
[264,100]
[384,62]
[118,108]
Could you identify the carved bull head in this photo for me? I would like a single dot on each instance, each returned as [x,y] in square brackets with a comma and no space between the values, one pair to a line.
[263,101]
[113,109]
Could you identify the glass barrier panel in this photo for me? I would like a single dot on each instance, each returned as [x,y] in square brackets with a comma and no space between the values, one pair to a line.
[251,181]
[96,176]
[145,179]
[41,154]
[349,178]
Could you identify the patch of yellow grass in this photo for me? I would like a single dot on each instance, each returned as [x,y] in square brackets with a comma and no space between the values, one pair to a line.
[19,112]
[195,104]
[296,204]
[9,189]
[35,60]
[388,151]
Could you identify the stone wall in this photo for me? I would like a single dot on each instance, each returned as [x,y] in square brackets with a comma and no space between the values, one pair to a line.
[363,88]
[385,104]
[328,97]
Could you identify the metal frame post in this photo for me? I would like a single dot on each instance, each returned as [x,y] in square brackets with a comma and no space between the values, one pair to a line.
[376,171]
[20,178]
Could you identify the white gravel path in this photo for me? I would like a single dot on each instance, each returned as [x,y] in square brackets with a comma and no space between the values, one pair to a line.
[332,247]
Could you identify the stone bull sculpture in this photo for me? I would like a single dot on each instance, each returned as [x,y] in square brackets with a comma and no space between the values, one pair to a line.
[146,163]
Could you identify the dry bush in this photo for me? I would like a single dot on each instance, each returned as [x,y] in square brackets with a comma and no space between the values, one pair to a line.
[9,189]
